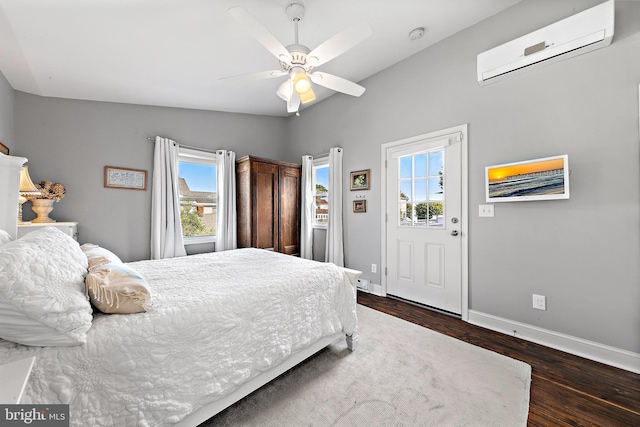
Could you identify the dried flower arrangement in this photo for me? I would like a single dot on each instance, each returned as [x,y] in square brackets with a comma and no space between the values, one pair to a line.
[48,190]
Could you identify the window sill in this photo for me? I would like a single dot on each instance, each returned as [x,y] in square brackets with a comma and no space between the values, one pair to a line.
[319,226]
[199,240]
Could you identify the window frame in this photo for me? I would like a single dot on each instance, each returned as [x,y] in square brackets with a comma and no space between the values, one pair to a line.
[318,164]
[190,155]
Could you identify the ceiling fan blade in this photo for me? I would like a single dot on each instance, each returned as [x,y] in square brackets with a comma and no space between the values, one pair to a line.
[339,43]
[260,33]
[260,75]
[294,104]
[336,83]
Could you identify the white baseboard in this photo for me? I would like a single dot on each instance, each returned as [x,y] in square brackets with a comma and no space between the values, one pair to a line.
[602,353]
[376,289]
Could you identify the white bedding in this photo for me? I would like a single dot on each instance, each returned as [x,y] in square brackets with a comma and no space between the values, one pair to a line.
[216,321]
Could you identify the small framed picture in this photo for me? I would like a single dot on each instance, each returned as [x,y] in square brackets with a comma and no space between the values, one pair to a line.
[130,179]
[4,149]
[359,206]
[360,180]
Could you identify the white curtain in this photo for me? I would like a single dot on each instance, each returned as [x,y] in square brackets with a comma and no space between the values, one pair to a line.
[226,228]
[306,211]
[335,250]
[166,229]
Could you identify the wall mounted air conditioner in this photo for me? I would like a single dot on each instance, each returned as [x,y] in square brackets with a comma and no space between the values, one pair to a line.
[578,34]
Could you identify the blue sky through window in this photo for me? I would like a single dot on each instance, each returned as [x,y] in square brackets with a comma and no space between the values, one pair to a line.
[425,174]
[322,177]
[199,177]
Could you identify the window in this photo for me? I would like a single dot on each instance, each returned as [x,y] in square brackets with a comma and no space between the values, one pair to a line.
[422,189]
[321,192]
[197,186]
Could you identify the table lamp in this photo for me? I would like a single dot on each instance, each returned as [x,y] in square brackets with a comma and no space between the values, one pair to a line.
[27,188]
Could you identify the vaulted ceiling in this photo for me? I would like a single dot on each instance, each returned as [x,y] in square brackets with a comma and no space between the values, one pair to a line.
[175,52]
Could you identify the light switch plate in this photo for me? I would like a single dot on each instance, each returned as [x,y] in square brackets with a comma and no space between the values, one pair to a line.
[486,211]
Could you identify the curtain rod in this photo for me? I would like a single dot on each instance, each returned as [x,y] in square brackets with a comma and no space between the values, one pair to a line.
[321,155]
[153,139]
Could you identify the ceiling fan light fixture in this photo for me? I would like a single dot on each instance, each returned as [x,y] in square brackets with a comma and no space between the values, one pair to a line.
[307,97]
[301,83]
[298,61]
[284,91]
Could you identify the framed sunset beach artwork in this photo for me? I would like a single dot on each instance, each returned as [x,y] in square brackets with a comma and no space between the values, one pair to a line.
[538,179]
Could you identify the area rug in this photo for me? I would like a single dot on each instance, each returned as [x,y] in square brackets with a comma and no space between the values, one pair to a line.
[401,374]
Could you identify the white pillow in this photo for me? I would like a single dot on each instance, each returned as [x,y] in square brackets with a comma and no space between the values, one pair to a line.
[42,296]
[4,237]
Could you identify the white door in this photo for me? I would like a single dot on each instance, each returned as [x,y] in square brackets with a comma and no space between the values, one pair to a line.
[423,226]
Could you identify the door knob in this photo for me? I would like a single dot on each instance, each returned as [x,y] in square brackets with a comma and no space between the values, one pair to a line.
[454,233]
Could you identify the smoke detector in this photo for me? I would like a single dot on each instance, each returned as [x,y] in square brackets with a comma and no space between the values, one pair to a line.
[416,33]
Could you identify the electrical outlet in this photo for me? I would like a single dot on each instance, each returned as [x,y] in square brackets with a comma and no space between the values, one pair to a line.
[374,268]
[539,302]
[485,211]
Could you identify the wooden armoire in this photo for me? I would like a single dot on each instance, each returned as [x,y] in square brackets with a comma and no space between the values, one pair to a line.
[268,204]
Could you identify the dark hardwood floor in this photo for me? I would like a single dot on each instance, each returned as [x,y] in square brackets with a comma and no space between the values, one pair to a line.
[566,390]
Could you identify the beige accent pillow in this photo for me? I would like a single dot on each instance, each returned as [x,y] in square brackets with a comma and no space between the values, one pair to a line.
[97,256]
[117,289]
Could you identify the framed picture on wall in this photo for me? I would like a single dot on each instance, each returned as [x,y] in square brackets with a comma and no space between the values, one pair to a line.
[129,179]
[546,178]
[360,180]
[359,206]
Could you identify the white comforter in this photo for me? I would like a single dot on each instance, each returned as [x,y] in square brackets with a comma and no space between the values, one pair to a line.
[216,321]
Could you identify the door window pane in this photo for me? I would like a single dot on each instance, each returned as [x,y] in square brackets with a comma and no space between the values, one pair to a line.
[436,217]
[405,167]
[435,189]
[421,182]
[405,190]
[435,162]
[420,165]
[420,190]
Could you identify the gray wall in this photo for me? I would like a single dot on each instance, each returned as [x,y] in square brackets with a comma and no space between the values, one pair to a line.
[71,141]
[6,112]
[582,253]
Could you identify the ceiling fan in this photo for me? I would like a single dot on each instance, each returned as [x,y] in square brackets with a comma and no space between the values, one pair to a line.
[298,61]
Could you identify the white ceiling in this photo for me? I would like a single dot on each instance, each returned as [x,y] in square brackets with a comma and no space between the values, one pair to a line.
[174,52]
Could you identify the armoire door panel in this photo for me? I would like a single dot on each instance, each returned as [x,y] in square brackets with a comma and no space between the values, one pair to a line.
[243,204]
[289,210]
[265,206]
[268,204]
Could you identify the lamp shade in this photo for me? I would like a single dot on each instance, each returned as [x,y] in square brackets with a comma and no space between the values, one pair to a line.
[26,185]
[27,188]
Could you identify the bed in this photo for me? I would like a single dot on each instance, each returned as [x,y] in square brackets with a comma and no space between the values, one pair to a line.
[214,328]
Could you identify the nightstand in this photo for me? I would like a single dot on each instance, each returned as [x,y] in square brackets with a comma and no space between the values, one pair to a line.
[70,228]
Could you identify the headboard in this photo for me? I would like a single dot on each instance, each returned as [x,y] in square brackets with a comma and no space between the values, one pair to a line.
[10,167]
